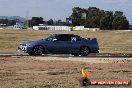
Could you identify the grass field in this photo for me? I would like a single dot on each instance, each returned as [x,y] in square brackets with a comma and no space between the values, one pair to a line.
[109,41]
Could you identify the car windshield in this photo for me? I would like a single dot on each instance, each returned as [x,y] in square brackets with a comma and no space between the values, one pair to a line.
[50,38]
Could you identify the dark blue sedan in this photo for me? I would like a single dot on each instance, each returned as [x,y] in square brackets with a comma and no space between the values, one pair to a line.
[60,44]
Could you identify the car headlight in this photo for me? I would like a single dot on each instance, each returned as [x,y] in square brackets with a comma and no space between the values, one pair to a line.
[27,44]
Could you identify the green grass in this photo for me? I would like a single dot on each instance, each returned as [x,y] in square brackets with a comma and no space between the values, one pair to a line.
[109,41]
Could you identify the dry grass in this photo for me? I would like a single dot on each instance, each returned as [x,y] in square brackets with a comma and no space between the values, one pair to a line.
[28,72]
[109,41]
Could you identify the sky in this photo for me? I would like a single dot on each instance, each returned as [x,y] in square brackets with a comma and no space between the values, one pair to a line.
[60,9]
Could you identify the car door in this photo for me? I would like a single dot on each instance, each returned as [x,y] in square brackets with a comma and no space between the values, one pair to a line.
[76,43]
[62,44]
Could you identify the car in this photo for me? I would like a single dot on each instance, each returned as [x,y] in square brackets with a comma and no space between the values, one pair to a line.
[60,44]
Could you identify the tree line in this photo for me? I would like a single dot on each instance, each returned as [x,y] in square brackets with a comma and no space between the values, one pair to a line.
[95,18]
[91,18]
[6,22]
[35,21]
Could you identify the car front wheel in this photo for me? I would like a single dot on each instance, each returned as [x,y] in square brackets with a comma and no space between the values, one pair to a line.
[38,50]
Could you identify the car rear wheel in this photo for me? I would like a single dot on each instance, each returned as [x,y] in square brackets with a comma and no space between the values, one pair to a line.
[38,50]
[84,51]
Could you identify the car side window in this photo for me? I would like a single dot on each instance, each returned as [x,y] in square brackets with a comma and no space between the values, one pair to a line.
[50,38]
[67,38]
[63,37]
[78,39]
[60,38]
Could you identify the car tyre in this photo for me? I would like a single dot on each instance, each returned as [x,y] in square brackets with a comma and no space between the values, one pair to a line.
[84,51]
[38,50]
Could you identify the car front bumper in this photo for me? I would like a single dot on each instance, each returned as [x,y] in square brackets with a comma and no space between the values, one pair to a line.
[24,49]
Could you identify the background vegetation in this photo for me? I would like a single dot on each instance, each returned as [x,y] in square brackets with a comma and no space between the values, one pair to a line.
[96,18]
[91,17]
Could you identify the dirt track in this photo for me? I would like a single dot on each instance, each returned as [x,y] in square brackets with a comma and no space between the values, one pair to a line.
[60,72]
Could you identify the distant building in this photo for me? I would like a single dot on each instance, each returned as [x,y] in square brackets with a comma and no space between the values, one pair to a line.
[20,25]
[51,28]
[79,28]
[42,27]
[92,29]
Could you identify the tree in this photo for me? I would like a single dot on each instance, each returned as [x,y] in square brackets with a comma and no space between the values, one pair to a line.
[118,13]
[60,23]
[8,22]
[130,27]
[37,20]
[120,22]
[11,22]
[86,17]
[106,20]
[76,16]
[50,22]
[95,18]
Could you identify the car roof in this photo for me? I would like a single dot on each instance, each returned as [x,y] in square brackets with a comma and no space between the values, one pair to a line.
[63,34]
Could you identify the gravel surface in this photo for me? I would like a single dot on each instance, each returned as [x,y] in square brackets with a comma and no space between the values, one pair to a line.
[60,72]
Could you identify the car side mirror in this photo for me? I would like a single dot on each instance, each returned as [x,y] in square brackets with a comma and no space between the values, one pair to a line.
[54,40]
